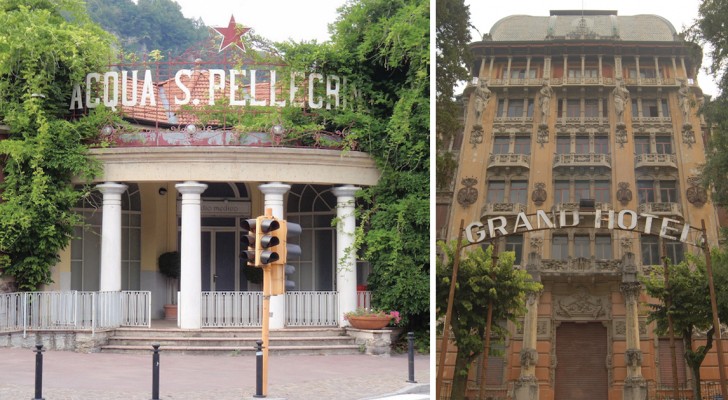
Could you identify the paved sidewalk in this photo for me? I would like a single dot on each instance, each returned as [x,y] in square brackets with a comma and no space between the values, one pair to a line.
[77,376]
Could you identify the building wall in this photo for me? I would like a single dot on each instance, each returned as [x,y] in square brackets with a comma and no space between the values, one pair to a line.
[482,166]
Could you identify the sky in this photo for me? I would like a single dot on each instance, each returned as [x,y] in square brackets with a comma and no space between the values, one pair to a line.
[276,20]
[483,14]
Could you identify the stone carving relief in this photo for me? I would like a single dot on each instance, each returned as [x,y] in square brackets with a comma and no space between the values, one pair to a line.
[624,194]
[697,195]
[539,194]
[476,135]
[633,357]
[688,135]
[528,357]
[545,102]
[482,96]
[536,244]
[626,245]
[543,134]
[581,305]
[468,195]
[620,328]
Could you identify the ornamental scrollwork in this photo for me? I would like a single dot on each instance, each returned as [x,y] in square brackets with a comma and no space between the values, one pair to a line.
[539,194]
[624,194]
[696,194]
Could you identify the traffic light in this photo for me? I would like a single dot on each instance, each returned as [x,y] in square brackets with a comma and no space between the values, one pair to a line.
[286,251]
[260,238]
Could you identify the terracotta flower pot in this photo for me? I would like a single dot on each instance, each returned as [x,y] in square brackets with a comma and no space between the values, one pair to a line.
[170,312]
[369,322]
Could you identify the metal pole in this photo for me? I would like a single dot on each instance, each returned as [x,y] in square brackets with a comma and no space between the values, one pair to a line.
[411,356]
[714,307]
[448,313]
[259,369]
[488,322]
[38,372]
[670,330]
[155,371]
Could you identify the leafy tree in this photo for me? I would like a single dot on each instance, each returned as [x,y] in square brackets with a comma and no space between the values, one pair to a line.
[45,47]
[452,38]
[148,25]
[478,284]
[709,32]
[691,310]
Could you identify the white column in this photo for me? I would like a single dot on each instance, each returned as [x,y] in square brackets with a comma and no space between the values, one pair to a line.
[345,254]
[274,193]
[110,276]
[190,254]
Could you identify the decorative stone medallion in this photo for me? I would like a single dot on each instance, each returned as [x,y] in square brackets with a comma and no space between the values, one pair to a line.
[468,195]
[476,136]
[697,195]
[624,194]
[539,194]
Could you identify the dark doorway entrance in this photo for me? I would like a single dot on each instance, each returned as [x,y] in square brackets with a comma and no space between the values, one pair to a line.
[581,353]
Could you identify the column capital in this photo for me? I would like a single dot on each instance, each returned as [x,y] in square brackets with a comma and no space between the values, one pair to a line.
[630,290]
[345,191]
[274,188]
[191,187]
[111,188]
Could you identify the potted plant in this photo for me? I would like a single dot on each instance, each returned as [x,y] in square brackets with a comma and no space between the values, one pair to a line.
[169,266]
[365,318]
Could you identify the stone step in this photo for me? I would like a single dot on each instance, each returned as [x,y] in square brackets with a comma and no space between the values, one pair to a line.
[229,332]
[236,350]
[228,341]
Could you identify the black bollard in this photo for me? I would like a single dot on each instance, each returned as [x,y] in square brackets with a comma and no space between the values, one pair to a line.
[259,369]
[155,372]
[411,356]
[38,372]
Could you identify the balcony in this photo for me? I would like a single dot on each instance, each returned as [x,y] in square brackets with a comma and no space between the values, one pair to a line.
[655,160]
[508,161]
[580,265]
[493,209]
[662,209]
[558,207]
[591,160]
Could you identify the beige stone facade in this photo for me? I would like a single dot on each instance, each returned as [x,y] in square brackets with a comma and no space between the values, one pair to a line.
[582,112]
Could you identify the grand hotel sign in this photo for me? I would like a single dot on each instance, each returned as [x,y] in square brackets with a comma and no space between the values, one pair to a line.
[668,228]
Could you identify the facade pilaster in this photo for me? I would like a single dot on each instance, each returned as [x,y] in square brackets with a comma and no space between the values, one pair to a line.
[191,255]
[635,387]
[526,387]
[274,193]
[110,274]
[345,253]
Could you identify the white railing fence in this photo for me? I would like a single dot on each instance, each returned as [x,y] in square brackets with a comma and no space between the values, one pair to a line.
[231,309]
[312,308]
[73,310]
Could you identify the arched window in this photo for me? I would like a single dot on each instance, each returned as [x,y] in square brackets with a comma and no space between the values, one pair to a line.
[86,244]
[314,208]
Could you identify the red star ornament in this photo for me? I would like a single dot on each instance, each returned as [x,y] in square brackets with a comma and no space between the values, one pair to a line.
[232,34]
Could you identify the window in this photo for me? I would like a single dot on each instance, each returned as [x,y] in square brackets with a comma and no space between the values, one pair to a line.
[668,192]
[501,108]
[501,145]
[563,145]
[591,108]
[601,145]
[646,191]
[649,108]
[519,192]
[632,73]
[573,108]
[575,73]
[515,244]
[529,111]
[663,144]
[561,192]
[642,145]
[665,109]
[603,247]
[496,191]
[582,145]
[674,251]
[648,73]
[581,246]
[601,192]
[650,250]
[560,247]
[515,108]
[591,72]
[635,113]
[522,145]
[581,190]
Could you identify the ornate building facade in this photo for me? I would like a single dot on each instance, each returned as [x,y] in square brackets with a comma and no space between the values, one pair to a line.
[594,112]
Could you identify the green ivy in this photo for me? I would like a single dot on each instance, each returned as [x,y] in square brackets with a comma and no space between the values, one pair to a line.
[45,46]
